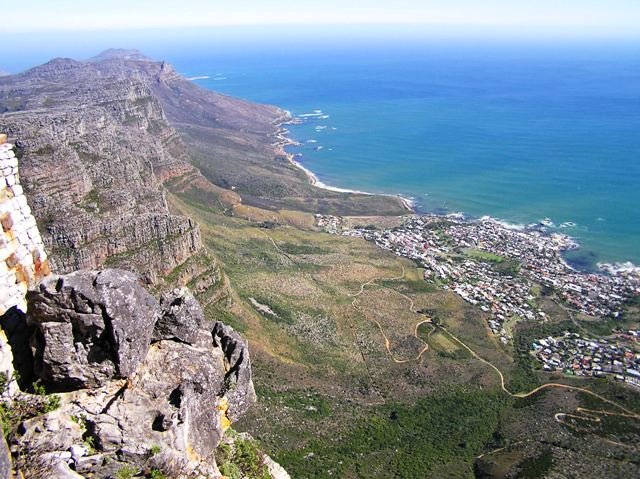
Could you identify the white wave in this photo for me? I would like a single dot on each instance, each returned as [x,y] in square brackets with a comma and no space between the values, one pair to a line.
[617,268]
[312,141]
[219,78]
[201,77]
[547,222]
[310,115]
[505,224]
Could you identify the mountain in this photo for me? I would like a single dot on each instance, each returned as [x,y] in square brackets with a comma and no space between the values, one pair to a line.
[361,368]
[120,53]
[97,140]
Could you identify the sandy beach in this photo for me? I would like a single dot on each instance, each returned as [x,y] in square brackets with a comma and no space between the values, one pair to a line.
[283,141]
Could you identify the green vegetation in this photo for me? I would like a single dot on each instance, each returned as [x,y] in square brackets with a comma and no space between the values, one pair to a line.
[50,402]
[309,403]
[126,472]
[89,441]
[500,264]
[445,430]
[536,467]
[157,474]
[240,458]
[155,450]
[298,249]
[215,312]
[283,312]
[484,256]
[12,414]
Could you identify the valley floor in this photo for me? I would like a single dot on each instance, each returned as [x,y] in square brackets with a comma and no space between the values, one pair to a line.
[363,369]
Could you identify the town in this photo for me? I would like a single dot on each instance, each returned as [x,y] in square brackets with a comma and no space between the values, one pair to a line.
[617,355]
[499,268]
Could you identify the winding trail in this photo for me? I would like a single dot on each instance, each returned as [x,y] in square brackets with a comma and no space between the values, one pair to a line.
[387,341]
[582,414]
[628,413]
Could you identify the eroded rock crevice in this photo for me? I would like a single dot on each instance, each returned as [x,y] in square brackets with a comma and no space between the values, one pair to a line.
[163,388]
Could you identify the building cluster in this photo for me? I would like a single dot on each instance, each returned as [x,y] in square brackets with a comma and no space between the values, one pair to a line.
[330,224]
[617,355]
[495,266]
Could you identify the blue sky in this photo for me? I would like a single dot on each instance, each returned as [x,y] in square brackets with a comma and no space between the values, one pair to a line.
[567,17]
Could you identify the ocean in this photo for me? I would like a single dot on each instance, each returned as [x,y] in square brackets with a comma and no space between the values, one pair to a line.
[520,132]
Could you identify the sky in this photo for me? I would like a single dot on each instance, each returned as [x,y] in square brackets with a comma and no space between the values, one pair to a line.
[568,17]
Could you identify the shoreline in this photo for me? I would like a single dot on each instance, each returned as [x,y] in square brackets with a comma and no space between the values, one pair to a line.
[283,141]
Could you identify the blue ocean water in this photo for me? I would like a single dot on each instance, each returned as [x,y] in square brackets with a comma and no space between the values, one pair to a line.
[520,133]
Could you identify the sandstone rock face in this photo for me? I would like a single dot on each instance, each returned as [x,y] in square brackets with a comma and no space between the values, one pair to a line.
[165,383]
[94,148]
[239,389]
[23,261]
[181,319]
[89,327]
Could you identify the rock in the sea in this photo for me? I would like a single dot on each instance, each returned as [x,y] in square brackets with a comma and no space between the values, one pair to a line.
[89,327]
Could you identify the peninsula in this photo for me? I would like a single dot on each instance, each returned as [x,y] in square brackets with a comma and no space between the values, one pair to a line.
[382,343]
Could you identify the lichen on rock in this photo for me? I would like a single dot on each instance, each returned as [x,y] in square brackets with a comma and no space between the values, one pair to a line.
[141,375]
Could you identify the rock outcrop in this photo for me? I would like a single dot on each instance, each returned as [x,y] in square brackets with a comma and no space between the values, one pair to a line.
[94,148]
[150,385]
[182,318]
[89,327]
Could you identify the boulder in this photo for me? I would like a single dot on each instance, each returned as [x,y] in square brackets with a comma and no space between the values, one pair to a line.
[147,386]
[181,318]
[89,327]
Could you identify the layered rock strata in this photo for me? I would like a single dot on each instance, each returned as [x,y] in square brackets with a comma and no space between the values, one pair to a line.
[94,149]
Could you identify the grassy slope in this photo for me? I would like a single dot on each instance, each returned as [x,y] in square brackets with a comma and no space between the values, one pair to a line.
[331,399]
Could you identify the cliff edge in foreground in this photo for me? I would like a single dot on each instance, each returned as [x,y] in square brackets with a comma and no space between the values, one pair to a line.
[113,382]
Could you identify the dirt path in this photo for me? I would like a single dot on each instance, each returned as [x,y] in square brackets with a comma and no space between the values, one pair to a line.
[544,386]
[411,308]
[583,414]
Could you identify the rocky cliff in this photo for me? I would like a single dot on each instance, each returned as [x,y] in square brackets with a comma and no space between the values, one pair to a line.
[114,382]
[94,148]
[143,384]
